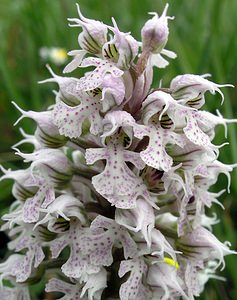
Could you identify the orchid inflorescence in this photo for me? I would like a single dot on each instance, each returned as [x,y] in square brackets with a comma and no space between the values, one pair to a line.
[112,204]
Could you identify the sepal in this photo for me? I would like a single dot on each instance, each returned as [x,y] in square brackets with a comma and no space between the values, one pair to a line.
[93,35]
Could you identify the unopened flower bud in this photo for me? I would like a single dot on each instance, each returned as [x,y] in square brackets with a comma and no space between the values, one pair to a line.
[155,32]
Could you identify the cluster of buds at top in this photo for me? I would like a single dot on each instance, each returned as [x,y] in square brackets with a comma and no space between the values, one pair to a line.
[119,176]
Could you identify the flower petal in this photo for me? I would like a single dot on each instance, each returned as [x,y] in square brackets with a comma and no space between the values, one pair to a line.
[141,218]
[155,154]
[131,289]
[76,62]
[71,291]
[99,245]
[31,209]
[116,178]
[194,133]
[95,78]
[95,285]
[69,120]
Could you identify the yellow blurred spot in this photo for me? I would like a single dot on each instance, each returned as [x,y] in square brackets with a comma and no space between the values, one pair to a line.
[171,262]
[59,54]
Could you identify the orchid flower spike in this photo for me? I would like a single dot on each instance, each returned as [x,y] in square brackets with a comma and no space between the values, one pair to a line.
[115,191]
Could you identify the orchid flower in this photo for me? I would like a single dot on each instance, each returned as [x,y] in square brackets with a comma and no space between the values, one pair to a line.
[114,195]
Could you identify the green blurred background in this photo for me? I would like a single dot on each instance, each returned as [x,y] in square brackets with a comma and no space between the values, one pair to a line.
[203,35]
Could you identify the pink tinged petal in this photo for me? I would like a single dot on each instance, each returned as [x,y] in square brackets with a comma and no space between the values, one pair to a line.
[115,119]
[39,256]
[215,168]
[33,257]
[49,196]
[78,265]
[95,78]
[155,154]
[196,276]
[57,285]
[71,291]
[159,61]
[65,206]
[161,103]
[76,62]
[25,267]
[99,248]
[134,158]
[129,201]
[113,91]
[31,209]
[156,102]
[122,201]
[69,120]
[46,133]
[131,288]
[100,223]
[12,265]
[138,93]
[156,60]
[93,155]
[194,133]
[183,202]
[174,138]
[207,198]
[20,242]
[19,175]
[78,262]
[129,245]
[191,155]
[207,221]
[99,245]
[57,246]
[169,53]
[171,177]
[116,178]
